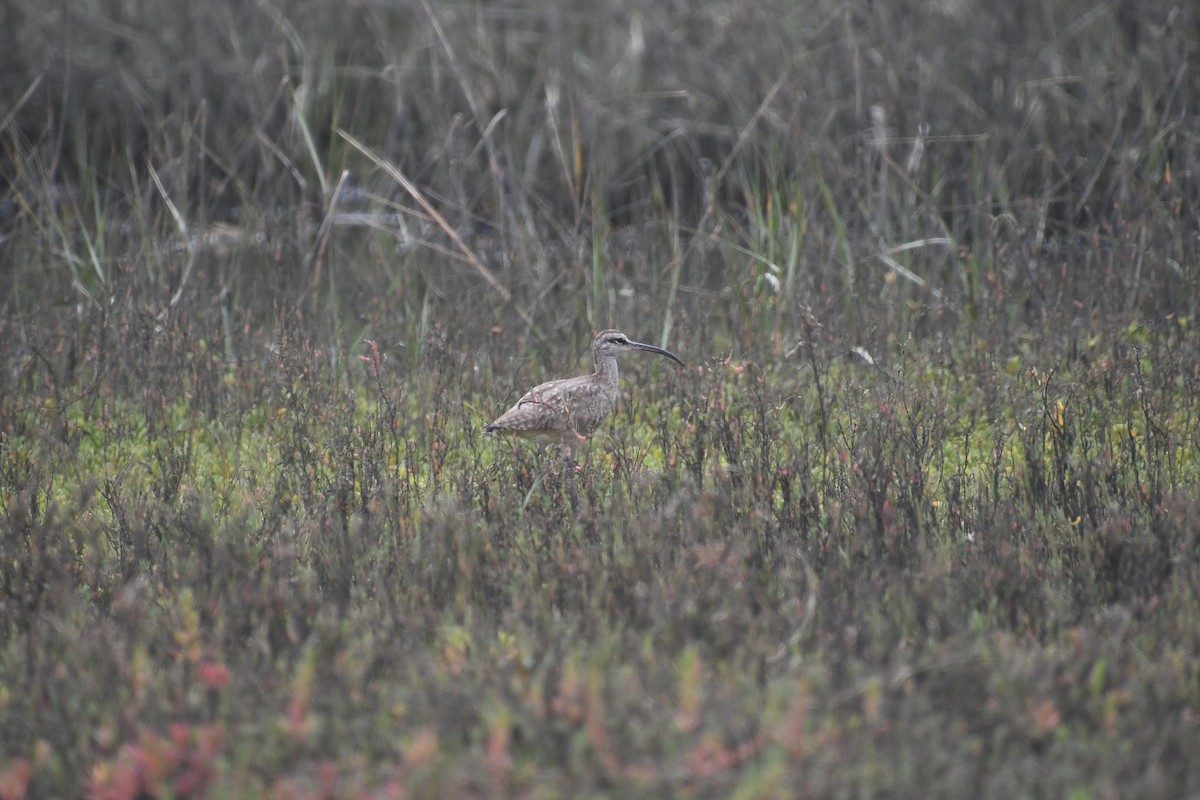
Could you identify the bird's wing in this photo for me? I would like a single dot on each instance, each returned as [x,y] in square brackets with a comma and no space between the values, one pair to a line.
[542,408]
[551,394]
[577,404]
[567,404]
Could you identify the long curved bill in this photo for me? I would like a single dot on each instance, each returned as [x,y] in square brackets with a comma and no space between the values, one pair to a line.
[649,348]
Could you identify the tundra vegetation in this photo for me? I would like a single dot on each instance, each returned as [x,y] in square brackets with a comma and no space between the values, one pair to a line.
[918,519]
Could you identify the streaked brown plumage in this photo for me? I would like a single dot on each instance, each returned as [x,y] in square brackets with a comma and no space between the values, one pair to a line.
[574,406]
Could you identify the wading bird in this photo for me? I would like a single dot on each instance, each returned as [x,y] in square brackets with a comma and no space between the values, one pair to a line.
[574,407]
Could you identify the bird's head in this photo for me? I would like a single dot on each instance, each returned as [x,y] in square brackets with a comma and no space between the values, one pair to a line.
[614,343]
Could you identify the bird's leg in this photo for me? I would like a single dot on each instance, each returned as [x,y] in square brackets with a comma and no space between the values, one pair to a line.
[568,448]
[566,453]
[533,486]
[552,466]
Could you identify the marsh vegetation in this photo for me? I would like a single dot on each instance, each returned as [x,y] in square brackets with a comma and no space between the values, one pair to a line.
[919,518]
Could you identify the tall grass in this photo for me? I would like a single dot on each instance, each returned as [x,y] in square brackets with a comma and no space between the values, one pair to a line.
[915,519]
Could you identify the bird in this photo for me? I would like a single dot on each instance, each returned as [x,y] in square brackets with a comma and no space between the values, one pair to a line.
[574,407]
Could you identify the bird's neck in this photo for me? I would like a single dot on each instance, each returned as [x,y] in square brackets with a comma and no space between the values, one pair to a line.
[606,370]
